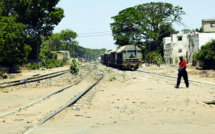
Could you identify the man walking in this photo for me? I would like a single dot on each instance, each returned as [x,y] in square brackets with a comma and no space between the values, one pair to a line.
[182,72]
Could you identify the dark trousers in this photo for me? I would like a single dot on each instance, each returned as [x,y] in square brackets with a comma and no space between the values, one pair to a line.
[183,74]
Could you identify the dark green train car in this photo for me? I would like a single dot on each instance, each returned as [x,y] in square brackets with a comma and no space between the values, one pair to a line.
[128,57]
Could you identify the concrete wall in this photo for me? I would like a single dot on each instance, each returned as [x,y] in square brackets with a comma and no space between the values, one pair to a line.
[178,46]
[67,53]
[167,49]
[196,41]
[189,44]
[61,55]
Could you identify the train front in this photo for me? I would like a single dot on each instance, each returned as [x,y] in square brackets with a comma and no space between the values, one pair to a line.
[129,57]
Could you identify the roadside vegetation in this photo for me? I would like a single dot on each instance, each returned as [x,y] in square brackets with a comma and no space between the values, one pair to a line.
[206,55]
[74,67]
[24,37]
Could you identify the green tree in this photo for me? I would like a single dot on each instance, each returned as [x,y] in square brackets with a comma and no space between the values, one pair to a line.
[146,24]
[13,50]
[68,36]
[186,31]
[54,43]
[200,30]
[206,55]
[126,28]
[65,40]
[38,16]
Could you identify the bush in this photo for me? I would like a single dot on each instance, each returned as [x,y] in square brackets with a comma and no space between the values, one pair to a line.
[154,58]
[206,56]
[33,66]
[176,60]
[74,67]
[48,59]
[61,62]
[28,66]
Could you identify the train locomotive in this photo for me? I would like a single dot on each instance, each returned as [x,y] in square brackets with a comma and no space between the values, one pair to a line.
[125,57]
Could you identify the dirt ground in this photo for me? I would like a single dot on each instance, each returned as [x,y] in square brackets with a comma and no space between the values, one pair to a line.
[123,102]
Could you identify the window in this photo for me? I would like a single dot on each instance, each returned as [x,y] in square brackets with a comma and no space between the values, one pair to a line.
[131,53]
[212,24]
[179,38]
[138,53]
[179,50]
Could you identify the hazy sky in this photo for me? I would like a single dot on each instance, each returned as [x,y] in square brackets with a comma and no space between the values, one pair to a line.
[94,16]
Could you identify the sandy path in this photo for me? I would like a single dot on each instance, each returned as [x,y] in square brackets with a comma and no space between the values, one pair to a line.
[138,103]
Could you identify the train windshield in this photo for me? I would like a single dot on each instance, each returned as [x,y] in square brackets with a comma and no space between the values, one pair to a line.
[134,53]
[138,53]
[131,53]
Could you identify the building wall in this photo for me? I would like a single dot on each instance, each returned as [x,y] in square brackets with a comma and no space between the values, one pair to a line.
[188,44]
[61,55]
[177,46]
[208,25]
[196,41]
[167,49]
[66,54]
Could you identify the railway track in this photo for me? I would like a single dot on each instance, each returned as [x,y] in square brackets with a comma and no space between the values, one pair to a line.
[31,104]
[172,77]
[32,79]
[22,116]
[46,97]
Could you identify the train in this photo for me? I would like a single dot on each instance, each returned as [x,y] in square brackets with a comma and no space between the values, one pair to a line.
[124,57]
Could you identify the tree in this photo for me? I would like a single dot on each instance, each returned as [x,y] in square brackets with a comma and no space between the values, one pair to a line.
[68,36]
[65,40]
[54,43]
[38,16]
[186,31]
[145,24]
[13,50]
[200,30]
[206,55]
[126,29]
[154,58]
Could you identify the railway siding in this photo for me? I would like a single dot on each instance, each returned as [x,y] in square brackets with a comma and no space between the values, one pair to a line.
[31,116]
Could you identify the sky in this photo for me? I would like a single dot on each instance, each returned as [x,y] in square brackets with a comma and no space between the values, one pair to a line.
[91,19]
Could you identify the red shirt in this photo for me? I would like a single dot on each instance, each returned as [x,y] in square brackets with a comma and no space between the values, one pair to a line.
[185,64]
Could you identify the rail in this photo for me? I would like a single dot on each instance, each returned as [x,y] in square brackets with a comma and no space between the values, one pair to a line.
[69,104]
[33,79]
[176,77]
[20,108]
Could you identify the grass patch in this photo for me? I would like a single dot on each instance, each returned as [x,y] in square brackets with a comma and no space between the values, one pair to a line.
[113,77]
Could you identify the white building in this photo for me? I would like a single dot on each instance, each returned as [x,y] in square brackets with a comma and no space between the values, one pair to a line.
[208,25]
[188,44]
[184,45]
[175,46]
[196,41]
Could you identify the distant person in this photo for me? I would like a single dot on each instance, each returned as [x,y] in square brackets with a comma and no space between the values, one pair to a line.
[182,72]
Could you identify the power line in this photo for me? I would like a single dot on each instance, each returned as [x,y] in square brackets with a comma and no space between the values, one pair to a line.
[95,35]
[94,32]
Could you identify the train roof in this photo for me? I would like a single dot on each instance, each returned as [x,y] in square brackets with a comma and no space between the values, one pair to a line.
[114,50]
[107,51]
[127,47]
[120,49]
